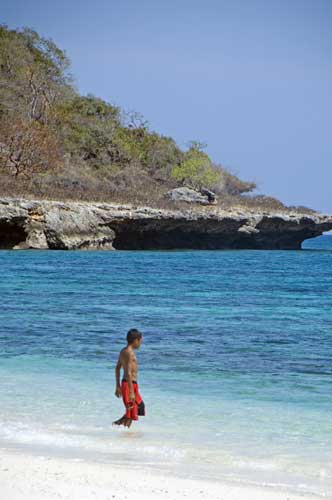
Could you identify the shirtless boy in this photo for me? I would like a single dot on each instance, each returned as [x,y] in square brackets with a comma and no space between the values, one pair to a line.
[128,388]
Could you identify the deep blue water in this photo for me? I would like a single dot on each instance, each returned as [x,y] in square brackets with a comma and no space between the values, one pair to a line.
[235,365]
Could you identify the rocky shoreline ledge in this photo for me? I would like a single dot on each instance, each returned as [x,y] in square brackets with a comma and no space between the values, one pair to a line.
[44,224]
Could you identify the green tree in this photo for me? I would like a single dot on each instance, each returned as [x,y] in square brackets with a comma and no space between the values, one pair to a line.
[88,127]
[196,169]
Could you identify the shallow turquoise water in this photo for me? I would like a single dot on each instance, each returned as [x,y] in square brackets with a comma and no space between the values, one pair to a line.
[235,365]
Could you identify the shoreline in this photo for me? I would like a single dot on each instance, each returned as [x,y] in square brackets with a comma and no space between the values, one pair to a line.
[45,477]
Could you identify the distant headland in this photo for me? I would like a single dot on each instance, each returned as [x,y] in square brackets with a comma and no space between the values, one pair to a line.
[79,172]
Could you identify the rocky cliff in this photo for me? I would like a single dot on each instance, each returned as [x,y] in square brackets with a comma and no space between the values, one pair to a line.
[77,225]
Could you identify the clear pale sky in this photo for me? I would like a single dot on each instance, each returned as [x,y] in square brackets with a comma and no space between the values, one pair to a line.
[251,78]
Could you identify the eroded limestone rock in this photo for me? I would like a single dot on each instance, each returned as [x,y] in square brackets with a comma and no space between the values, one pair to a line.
[82,225]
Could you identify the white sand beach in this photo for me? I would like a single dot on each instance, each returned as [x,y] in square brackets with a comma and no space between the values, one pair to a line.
[24,477]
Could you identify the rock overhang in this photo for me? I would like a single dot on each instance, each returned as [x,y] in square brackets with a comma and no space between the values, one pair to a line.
[84,225]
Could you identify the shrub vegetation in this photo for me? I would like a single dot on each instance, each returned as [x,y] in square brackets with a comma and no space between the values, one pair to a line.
[56,143]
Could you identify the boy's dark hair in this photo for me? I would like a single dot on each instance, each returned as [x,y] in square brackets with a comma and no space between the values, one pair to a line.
[132,335]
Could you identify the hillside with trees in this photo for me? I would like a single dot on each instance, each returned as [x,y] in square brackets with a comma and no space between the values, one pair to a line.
[58,144]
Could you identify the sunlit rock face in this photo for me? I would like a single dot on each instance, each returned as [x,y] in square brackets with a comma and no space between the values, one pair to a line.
[81,225]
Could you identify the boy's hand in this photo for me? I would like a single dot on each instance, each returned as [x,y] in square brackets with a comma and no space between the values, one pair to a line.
[118,391]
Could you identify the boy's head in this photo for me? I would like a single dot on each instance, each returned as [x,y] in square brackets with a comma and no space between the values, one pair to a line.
[134,338]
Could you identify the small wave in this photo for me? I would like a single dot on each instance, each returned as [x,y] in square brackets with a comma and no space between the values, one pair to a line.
[95,440]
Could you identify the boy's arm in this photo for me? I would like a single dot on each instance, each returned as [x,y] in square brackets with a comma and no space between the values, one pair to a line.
[117,378]
[130,379]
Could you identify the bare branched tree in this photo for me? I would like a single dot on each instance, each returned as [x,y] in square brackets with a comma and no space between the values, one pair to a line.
[27,147]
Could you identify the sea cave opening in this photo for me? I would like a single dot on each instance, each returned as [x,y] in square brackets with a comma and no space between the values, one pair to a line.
[11,234]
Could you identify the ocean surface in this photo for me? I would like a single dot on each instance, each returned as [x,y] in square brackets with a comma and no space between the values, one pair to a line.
[235,367]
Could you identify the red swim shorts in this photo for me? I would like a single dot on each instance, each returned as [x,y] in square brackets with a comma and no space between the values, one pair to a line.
[133,408]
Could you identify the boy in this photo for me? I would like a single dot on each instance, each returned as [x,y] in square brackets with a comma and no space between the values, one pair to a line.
[128,388]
